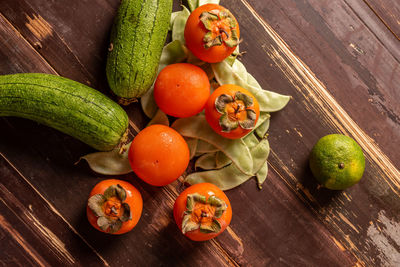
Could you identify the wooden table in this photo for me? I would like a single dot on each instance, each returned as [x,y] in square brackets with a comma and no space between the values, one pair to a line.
[338,59]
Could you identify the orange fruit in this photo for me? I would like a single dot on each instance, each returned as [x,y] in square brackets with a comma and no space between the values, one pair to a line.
[158,155]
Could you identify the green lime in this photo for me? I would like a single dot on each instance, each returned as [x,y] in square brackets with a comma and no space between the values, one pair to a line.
[337,161]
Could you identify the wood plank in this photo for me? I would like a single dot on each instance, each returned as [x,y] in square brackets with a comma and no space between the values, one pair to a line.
[73,40]
[388,12]
[11,40]
[68,47]
[246,253]
[330,37]
[351,215]
[153,240]
[36,232]
[304,217]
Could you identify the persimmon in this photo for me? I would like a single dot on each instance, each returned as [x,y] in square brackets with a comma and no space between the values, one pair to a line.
[232,111]
[181,90]
[211,33]
[202,211]
[158,155]
[114,206]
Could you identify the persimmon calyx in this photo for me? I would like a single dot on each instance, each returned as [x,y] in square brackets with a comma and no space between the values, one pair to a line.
[110,209]
[221,26]
[202,213]
[236,111]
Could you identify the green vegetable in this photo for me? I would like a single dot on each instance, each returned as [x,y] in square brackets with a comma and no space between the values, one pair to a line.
[205,147]
[159,118]
[227,163]
[230,176]
[206,161]
[192,144]
[137,40]
[178,26]
[236,149]
[262,129]
[65,105]
[226,74]
[261,175]
[221,160]
[111,162]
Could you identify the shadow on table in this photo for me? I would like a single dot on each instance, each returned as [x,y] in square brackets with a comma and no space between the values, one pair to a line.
[313,190]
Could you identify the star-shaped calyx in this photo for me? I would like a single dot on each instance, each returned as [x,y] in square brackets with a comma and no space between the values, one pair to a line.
[110,209]
[202,213]
[221,26]
[236,111]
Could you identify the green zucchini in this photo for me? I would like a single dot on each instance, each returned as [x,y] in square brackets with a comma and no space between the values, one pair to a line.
[66,105]
[137,39]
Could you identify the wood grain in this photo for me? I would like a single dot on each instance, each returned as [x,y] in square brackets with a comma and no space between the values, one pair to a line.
[334,42]
[349,222]
[291,221]
[71,40]
[43,236]
[388,12]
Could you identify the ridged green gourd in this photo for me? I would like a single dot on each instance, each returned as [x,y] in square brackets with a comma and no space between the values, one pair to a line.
[137,39]
[68,106]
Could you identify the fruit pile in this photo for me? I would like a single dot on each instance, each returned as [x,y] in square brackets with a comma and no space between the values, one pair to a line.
[219,111]
[224,129]
[220,118]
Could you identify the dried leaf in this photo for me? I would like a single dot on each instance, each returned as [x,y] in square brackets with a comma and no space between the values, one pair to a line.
[193,4]
[109,163]
[127,215]
[214,227]
[178,27]
[103,223]
[221,101]
[205,147]
[227,124]
[230,176]
[236,150]
[203,2]
[268,101]
[188,225]
[262,129]
[251,140]
[192,144]
[221,160]
[121,193]
[250,121]
[247,100]
[206,161]
[159,118]
[95,203]
[115,226]
[261,175]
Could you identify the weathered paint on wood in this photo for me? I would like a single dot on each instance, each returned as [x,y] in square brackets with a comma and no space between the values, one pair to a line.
[353,222]
[289,222]
[388,11]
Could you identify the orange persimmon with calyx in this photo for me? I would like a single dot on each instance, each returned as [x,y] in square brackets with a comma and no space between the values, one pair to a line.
[232,111]
[202,211]
[114,206]
[211,33]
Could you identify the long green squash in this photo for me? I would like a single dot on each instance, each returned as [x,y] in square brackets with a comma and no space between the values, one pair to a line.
[137,39]
[66,105]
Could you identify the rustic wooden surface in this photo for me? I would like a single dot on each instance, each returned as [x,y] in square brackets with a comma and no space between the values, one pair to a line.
[340,62]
